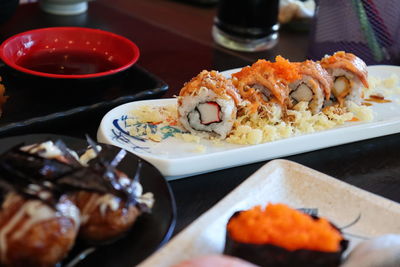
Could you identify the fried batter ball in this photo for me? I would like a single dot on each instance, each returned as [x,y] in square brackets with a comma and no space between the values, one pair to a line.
[104,217]
[35,234]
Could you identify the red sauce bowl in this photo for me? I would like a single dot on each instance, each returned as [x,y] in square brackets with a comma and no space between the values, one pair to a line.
[68,52]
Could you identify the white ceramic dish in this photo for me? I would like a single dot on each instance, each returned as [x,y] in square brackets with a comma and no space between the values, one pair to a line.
[176,158]
[282,181]
[64,7]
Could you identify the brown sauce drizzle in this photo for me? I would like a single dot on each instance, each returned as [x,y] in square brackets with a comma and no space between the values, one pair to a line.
[378,99]
[20,170]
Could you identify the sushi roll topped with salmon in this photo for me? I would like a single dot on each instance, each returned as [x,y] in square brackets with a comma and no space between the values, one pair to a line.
[349,74]
[313,86]
[272,100]
[281,236]
[265,84]
[207,105]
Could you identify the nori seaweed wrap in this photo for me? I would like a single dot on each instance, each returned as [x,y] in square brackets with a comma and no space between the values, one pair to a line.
[273,255]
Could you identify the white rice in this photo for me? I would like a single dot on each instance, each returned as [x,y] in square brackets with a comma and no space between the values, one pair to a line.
[315,105]
[356,88]
[188,109]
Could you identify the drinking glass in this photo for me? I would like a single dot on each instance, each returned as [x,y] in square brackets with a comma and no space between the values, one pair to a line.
[7,9]
[246,25]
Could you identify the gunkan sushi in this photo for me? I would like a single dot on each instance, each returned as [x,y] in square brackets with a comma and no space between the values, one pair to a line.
[281,236]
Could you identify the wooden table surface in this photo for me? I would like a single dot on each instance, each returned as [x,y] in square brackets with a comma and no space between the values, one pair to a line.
[175,43]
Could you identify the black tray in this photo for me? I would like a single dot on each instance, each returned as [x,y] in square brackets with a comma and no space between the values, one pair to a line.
[34,101]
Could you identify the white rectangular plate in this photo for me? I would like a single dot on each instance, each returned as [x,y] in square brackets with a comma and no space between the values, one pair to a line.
[176,158]
[282,181]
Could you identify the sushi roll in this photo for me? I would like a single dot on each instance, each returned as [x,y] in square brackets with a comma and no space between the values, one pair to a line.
[282,236]
[264,86]
[207,105]
[313,86]
[349,74]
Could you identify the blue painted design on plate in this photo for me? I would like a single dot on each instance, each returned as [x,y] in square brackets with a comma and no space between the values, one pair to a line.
[169,131]
[120,133]
[116,125]
[122,138]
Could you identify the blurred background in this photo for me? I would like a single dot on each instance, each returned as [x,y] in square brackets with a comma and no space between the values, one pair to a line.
[367,28]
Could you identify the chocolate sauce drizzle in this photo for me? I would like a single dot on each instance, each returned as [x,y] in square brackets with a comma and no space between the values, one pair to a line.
[47,179]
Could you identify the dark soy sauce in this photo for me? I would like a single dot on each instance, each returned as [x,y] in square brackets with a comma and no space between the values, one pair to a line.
[68,62]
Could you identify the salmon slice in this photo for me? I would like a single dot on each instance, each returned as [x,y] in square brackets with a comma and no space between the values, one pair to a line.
[349,62]
[266,81]
[319,74]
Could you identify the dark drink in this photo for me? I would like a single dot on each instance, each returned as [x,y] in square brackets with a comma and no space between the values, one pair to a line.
[251,24]
[67,62]
[248,18]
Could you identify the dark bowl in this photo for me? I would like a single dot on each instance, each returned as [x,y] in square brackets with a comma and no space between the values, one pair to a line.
[68,53]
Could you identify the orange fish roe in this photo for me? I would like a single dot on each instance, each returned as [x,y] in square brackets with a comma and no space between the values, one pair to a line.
[286,70]
[282,69]
[285,227]
[274,76]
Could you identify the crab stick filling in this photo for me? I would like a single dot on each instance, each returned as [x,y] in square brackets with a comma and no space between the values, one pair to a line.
[210,112]
[205,114]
